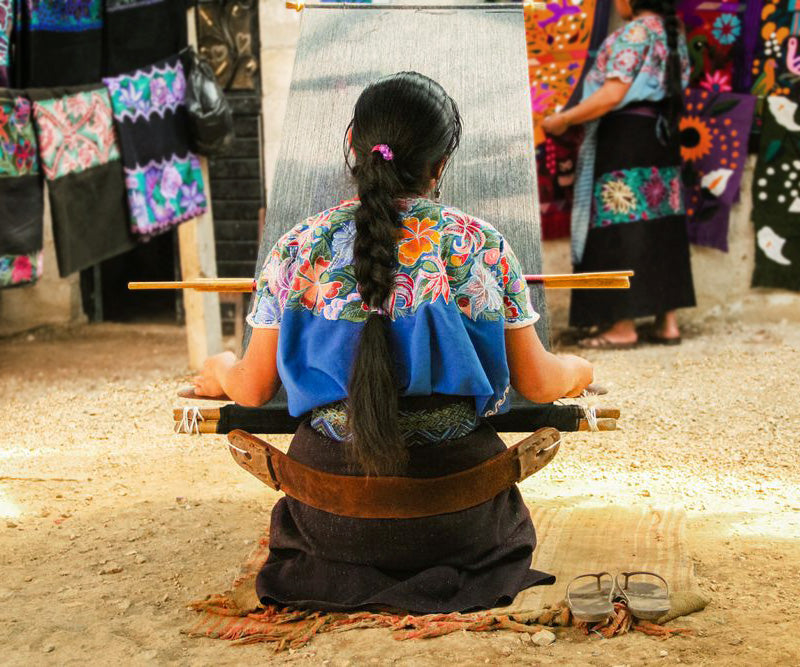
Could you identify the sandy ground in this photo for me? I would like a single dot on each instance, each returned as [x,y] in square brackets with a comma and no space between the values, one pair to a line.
[109,523]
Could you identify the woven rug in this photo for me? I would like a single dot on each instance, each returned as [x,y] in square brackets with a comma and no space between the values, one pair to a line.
[570,542]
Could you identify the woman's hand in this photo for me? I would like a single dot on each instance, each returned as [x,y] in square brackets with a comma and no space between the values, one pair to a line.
[555,125]
[582,372]
[209,382]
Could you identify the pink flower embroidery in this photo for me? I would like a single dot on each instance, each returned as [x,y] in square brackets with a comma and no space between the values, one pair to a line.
[654,190]
[22,271]
[716,82]
[171,182]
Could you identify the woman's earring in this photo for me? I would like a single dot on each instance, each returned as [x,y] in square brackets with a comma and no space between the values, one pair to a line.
[436,192]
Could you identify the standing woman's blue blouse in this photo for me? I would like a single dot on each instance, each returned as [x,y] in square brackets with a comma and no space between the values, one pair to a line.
[458,286]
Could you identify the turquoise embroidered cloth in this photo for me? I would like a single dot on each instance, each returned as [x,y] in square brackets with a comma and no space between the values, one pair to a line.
[636,53]
[458,286]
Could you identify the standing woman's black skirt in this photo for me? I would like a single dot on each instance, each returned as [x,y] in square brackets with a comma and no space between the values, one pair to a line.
[473,559]
[638,222]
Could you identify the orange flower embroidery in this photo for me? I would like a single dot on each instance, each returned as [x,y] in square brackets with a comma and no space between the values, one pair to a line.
[307,281]
[419,237]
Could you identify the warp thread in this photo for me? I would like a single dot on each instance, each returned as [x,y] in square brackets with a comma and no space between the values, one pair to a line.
[190,421]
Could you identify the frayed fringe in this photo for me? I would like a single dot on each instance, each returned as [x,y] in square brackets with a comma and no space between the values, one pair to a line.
[286,628]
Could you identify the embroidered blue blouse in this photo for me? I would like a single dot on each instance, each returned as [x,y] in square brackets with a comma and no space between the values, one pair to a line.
[458,286]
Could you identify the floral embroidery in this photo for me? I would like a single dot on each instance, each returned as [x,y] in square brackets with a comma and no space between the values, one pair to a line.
[618,197]
[695,138]
[6,18]
[20,269]
[17,138]
[151,91]
[716,82]
[486,284]
[65,15]
[418,238]
[637,49]
[76,133]
[642,193]
[727,28]
[559,37]
[165,192]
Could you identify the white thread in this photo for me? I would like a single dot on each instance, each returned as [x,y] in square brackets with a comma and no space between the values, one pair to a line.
[555,444]
[241,451]
[190,422]
[591,417]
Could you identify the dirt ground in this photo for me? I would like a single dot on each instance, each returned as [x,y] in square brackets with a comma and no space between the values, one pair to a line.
[109,523]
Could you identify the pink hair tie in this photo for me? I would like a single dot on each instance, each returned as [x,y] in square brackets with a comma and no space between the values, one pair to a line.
[384,150]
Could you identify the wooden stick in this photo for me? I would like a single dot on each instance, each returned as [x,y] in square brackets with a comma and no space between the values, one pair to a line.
[607,280]
[209,414]
[602,425]
[299,6]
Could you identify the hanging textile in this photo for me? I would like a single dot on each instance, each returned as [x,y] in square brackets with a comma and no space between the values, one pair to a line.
[21,196]
[6,23]
[159,27]
[714,132]
[776,198]
[715,34]
[776,66]
[60,43]
[80,159]
[162,176]
[560,39]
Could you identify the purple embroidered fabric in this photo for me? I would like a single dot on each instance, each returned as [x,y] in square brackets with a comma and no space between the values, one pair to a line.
[714,132]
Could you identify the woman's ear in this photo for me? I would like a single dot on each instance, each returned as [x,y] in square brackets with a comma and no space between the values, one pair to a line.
[438,168]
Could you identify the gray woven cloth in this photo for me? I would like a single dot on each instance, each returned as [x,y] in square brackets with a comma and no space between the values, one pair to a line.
[480,59]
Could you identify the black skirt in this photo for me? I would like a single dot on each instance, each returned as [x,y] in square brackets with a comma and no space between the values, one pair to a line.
[474,559]
[638,223]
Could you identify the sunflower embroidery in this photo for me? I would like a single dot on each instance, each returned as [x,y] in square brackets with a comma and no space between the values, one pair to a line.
[695,138]
[618,197]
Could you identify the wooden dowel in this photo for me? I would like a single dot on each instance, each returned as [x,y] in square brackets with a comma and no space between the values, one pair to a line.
[299,6]
[605,280]
[607,413]
[602,425]
[206,413]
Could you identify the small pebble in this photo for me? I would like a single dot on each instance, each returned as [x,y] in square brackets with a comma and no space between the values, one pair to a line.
[49,648]
[111,569]
[10,524]
[543,638]
[141,559]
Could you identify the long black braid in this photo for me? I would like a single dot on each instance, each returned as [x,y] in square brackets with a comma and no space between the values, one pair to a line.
[673,77]
[418,126]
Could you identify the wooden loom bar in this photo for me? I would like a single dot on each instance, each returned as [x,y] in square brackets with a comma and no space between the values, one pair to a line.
[607,280]
[489,7]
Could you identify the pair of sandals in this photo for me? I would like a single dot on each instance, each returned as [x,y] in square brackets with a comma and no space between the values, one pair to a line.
[593,603]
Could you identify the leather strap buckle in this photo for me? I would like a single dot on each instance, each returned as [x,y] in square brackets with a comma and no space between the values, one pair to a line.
[254,456]
[536,451]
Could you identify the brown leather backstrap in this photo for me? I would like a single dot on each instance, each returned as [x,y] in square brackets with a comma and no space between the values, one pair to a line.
[394,497]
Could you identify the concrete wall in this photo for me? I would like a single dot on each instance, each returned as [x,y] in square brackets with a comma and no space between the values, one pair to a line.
[722,281]
[51,301]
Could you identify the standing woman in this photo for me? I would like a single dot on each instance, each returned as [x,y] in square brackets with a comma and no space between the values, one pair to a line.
[629,210]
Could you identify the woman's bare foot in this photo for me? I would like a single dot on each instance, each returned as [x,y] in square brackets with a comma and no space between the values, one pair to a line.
[622,335]
[666,326]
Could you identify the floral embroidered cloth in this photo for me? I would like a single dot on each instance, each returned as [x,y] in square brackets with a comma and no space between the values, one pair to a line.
[716,33]
[776,66]
[639,193]
[562,38]
[80,159]
[776,198]
[637,54]
[458,286]
[163,177]
[6,23]
[714,133]
[60,43]
[159,26]
[21,196]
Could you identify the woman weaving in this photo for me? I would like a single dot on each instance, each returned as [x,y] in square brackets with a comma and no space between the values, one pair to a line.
[397,323]
[628,211]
